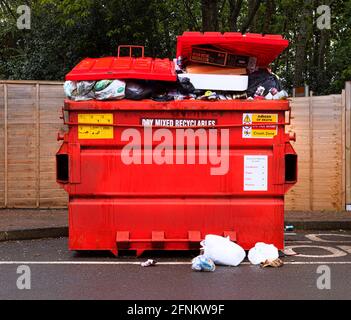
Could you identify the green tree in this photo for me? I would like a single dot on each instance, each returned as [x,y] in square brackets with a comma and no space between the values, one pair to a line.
[64,32]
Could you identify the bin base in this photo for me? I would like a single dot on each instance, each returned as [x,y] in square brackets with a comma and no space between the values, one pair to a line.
[141,224]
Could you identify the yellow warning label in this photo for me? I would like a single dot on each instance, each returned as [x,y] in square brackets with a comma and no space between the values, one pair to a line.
[267,118]
[103,118]
[259,126]
[95,131]
[263,133]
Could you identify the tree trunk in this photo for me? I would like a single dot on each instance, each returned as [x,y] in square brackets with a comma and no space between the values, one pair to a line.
[209,15]
[235,8]
[254,5]
[193,25]
[270,10]
[301,43]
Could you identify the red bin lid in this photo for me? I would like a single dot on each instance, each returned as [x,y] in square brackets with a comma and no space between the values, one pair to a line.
[266,48]
[123,68]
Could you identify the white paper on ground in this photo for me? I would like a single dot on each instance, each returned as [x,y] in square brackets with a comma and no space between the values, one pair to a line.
[217,82]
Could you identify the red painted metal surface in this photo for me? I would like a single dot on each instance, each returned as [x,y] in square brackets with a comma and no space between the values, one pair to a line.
[114,206]
[266,48]
[124,68]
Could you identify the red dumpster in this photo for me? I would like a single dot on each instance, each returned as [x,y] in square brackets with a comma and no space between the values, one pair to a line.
[132,187]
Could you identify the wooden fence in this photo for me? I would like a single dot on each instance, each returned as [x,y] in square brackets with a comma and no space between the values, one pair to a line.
[319,123]
[30,120]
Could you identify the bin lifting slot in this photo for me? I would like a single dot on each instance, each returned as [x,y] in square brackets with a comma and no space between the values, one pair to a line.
[123,237]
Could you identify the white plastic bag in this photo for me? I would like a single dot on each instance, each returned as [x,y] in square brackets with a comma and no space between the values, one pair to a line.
[79,91]
[85,87]
[70,88]
[203,263]
[115,91]
[222,251]
[262,252]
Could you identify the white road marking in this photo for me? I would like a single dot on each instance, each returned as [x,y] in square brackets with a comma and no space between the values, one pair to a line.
[88,262]
[316,237]
[317,262]
[345,248]
[335,253]
[298,241]
[159,263]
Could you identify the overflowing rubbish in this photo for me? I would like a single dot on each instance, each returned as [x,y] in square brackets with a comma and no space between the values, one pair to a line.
[203,263]
[263,252]
[100,90]
[263,84]
[223,251]
[216,76]
[102,85]
[232,68]
[148,263]
[114,91]
[138,90]
[277,263]
[217,84]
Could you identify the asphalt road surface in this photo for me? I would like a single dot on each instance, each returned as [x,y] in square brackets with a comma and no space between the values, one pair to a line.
[56,273]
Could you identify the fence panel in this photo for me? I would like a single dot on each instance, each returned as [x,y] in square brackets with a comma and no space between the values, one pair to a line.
[29,122]
[319,125]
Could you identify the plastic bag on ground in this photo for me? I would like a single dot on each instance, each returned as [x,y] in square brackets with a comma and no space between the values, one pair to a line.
[262,252]
[223,251]
[114,91]
[203,263]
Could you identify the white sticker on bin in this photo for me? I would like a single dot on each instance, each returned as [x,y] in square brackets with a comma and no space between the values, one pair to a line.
[256,173]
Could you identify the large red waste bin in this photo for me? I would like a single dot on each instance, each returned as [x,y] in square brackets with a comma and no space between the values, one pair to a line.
[172,204]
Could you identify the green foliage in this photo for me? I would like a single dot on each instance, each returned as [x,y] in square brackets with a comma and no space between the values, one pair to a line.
[64,31]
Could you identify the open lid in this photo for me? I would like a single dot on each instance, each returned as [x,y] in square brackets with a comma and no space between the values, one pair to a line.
[265,48]
[124,68]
